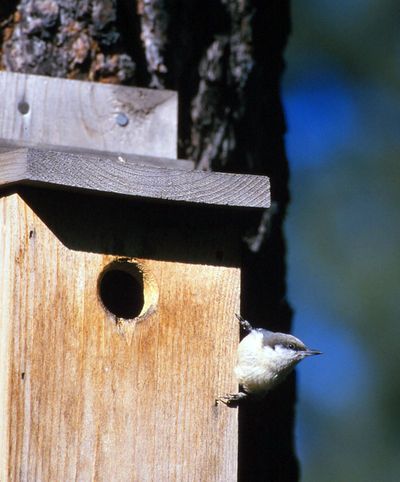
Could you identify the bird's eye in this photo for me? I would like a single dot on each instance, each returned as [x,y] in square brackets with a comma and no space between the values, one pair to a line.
[291,346]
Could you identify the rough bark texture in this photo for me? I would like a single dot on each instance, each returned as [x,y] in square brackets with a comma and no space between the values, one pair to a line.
[66,38]
[224,57]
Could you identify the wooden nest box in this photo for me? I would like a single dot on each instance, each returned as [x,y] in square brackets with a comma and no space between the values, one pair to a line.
[119,280]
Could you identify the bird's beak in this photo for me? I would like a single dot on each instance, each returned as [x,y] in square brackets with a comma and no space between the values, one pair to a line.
[312,352]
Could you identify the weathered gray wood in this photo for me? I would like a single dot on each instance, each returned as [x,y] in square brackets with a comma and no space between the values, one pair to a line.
[132,178]
[186,164]
[62,112]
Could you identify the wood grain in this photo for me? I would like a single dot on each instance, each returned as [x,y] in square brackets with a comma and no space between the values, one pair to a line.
[7,145]
[130,177]
[64,112]
[85,398]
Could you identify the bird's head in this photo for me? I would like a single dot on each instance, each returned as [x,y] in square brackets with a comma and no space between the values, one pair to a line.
[286,349]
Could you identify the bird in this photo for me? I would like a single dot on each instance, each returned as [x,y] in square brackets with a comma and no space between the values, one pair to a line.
[264,359]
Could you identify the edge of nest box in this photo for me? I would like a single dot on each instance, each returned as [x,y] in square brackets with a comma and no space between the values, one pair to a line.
[132,176]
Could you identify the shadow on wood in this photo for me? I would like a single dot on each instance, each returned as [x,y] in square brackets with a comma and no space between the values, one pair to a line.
[141,228]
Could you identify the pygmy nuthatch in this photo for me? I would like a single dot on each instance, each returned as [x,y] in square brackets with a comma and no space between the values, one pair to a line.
[265,358]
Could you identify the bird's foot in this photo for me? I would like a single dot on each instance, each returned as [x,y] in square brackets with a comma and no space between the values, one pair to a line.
[244,323]
[231,399]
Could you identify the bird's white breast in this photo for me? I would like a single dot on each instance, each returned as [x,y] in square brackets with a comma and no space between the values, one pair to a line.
[259,367]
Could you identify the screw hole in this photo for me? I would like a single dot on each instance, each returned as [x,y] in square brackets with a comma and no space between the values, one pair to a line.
[23,107]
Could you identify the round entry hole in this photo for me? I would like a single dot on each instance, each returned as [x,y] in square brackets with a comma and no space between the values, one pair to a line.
[126,291]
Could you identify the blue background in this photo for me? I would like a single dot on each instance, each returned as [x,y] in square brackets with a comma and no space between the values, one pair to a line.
[342,102]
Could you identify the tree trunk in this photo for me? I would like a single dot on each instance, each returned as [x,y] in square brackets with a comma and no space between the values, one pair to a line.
[224,57]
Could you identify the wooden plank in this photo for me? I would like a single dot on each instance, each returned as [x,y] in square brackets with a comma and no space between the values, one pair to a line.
[86,398]
[6,272]
[62,112]
[182,164]
[130,177]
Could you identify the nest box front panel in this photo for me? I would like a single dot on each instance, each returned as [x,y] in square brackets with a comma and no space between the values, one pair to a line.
[111,364]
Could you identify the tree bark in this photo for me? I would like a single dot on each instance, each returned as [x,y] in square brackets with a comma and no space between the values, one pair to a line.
[224,57]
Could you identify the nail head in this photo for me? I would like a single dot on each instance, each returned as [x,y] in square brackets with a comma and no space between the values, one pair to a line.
[122,119]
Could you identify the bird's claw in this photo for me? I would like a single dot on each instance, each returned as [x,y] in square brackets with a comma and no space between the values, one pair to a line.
[244,323]
[231,399]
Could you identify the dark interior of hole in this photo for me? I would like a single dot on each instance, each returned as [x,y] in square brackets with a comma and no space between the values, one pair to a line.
[121,293]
